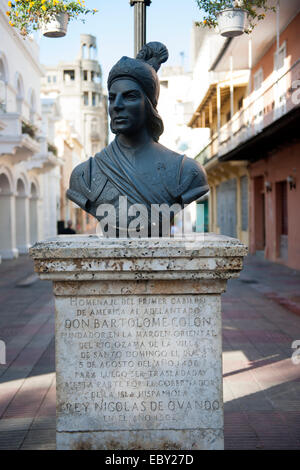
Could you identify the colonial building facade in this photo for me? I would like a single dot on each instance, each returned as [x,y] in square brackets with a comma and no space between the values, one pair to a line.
[77,87]
[28,164]
[252,159]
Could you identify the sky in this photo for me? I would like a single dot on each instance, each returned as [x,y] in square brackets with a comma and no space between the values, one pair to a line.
[168,21]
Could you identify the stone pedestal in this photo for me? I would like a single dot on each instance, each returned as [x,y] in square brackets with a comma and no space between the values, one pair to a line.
[138,339]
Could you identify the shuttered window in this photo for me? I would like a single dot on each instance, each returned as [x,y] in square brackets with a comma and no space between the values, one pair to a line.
[226,208]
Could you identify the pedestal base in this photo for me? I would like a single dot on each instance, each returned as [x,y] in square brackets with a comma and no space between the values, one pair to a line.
[138,340]
[170,439]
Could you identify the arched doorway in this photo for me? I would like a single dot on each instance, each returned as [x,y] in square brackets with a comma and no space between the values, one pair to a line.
[7,216]
[33,211]
[22,209]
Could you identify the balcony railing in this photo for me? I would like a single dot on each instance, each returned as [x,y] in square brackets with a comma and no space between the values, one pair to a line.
[261,109]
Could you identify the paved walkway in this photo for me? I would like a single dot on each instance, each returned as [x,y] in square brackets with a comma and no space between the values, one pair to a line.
[261,384]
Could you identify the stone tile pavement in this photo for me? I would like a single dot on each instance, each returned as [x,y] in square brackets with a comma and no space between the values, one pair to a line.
[261,384]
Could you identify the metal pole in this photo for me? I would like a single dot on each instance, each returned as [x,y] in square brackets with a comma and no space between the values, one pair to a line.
[139,23]
[278,25]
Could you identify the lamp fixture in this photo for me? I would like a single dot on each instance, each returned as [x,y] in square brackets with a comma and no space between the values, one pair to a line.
[268,186]
[291,181]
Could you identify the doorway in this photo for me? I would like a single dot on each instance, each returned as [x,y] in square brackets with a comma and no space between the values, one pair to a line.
[259,214]
[282,219]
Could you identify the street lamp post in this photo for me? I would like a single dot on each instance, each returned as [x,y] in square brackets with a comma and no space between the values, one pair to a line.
[139,23]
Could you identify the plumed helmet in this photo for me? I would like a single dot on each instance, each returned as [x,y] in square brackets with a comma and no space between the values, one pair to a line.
[143,69]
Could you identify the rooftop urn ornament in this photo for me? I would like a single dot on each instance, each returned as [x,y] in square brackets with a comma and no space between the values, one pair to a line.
[135,166]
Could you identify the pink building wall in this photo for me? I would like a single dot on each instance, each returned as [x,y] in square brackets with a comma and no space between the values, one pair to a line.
[266,203]
[277,168]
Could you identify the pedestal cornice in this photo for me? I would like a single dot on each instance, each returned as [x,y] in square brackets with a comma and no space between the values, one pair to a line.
[91,258]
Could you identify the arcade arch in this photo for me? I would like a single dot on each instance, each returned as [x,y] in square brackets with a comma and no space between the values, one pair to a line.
[7,216]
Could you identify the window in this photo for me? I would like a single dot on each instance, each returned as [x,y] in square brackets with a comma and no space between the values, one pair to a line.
[258,108]
[20,96]
[85,75]
[258,79]
[2,71]
[85,98]
[92,52]
[240,103]
[49,79]
[94,99]
[69,75]
[2,87]
[54,78]
[32,107]
[94,126]
[97,78]
[280,87]
[93,76]
[279,57]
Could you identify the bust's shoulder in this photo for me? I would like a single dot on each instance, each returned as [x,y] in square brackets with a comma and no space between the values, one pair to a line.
[189,165]
[76,192]
[194,180]
[163,151]
[192,166]
[85,169]
[168,158]
[81,168]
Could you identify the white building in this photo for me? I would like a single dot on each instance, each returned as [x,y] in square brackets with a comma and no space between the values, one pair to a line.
[77,86]
[176,109]
[175,106]
[28,178]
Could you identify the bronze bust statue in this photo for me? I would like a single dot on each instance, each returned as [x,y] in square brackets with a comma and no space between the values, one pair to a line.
[135,165]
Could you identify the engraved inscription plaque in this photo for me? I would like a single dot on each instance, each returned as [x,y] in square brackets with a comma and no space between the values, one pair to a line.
[139,362]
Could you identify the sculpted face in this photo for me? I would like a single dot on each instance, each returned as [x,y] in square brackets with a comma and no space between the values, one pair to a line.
[126,107]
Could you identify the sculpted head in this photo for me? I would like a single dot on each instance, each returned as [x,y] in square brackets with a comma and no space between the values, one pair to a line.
[133,87]
[127,106]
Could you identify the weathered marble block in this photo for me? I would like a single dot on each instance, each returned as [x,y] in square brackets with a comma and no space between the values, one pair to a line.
[138,339]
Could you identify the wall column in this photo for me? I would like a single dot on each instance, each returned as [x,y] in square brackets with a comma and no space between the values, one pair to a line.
[22,224]
[8,248]
[33,210]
